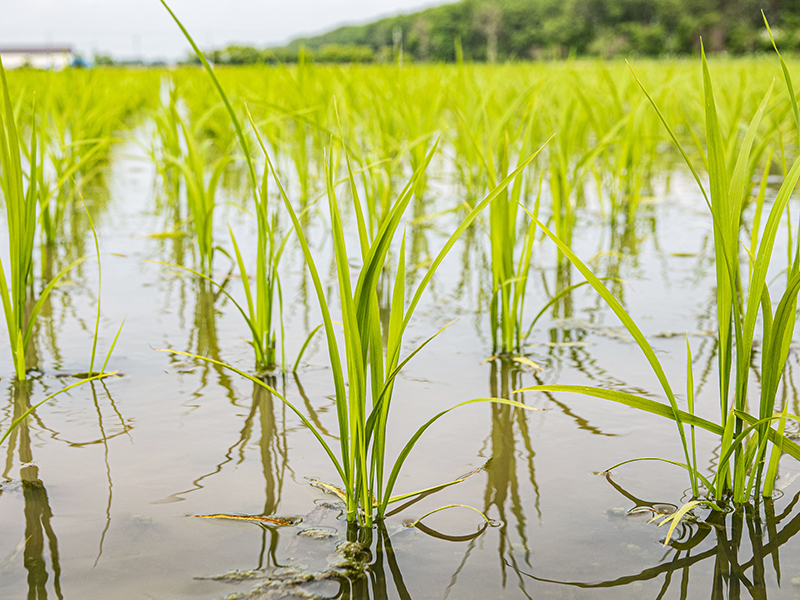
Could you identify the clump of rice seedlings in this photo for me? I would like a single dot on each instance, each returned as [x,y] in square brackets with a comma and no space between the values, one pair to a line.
[200,190]
[750,447]
[509,272]
[494,144]
[265,302]
[362,406]
[266,299]
[20,192]
[57,185]
[167,144]
[263,309]
[83,114]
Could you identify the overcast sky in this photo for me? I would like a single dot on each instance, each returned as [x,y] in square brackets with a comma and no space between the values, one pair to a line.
[143,28]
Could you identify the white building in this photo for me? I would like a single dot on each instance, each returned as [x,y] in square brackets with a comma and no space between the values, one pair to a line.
[38,58]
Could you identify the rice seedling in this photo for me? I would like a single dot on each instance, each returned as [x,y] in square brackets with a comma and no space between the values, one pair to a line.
[266,300]
[264,303]
[57,192]
[494,142]
[200,190]
[746,467]
[21,202]
[509,272]
[167,144]
[261,306]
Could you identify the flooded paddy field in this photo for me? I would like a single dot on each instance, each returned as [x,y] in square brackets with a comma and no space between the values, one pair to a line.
[102,488]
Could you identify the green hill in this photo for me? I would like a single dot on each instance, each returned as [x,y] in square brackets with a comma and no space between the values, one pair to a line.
[528,29]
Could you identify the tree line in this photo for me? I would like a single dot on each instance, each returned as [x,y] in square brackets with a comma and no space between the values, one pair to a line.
[499,30]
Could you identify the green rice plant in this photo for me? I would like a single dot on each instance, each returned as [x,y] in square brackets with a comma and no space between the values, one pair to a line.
[200,189]
[745,467]
[167,144]
[263,302]
[57,188]
[21,201]
[509,273]
[494,142]
[261,306]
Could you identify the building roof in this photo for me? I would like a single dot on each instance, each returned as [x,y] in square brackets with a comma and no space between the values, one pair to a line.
[37,50]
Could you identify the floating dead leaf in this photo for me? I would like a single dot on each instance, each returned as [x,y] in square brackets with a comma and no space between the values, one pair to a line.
[329,487]
[278,521]
[527,362]
[335,490]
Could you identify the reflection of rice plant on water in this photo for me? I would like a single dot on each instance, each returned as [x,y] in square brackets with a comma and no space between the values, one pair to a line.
[750,447]
[765,532]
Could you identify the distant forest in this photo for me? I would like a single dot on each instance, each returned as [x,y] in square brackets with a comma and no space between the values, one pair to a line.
[500,30]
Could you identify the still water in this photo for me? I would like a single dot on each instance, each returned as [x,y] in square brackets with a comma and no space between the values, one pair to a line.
[98,489]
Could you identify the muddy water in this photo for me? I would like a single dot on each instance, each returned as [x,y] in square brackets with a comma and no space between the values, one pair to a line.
[97,490]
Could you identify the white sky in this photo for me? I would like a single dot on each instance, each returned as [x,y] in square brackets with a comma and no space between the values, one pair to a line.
[143,28]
